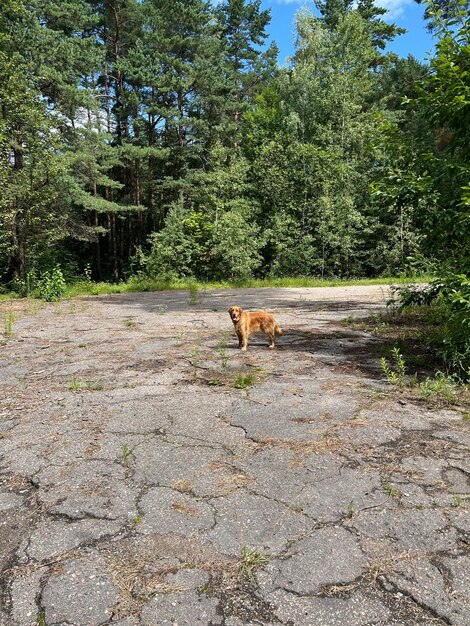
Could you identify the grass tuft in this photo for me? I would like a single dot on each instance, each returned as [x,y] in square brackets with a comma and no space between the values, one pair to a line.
[250,560]
[243,381]
[9,319]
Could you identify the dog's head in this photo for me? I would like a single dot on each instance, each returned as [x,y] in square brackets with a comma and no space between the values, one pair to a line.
[235,313]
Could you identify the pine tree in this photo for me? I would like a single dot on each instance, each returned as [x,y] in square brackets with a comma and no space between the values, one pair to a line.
[247,66]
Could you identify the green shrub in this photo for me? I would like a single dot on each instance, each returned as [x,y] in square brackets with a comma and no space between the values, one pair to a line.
[51,285]
[441,388]
[447,305]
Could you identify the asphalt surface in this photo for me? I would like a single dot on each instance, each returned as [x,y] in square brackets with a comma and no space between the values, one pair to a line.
[153,474]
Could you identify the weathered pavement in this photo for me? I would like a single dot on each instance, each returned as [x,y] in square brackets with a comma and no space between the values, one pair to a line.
[139,487]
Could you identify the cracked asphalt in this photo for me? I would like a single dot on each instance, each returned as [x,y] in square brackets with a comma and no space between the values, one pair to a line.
[151,474]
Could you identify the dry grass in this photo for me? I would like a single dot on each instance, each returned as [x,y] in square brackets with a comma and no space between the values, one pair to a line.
[183,486]
[330,443]
[184,509]
[233,479]
[387,563]
[138,567]
[233,482]
[136,579]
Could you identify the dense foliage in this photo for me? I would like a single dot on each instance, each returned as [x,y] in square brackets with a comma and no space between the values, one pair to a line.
[438,174]
[161,138]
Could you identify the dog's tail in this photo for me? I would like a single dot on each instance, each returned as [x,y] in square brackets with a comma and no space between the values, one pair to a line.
[278,330]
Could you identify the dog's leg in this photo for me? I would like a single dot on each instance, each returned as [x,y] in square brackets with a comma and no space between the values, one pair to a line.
[240,338]
[272,340]
[244,341]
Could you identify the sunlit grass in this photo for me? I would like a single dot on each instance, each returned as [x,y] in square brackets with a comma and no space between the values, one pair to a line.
[135,284]
[148,284]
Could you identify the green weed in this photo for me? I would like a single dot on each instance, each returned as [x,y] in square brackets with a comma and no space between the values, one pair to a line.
[75,385]
[390,490]
[396,374]
[127,456]
[51,286]
[128,321]
[41,618]
[250,560]
[194,359]
[243,381]
[221,346]
[351,511]
[9,320]
[89,385]
[441,388]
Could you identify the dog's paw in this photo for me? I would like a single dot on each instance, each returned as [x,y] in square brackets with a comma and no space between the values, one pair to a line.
[244,349]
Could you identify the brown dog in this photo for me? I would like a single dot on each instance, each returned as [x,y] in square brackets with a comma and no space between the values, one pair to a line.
[246,323]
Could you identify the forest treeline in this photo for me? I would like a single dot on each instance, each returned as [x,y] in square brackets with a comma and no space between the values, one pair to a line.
[162,137]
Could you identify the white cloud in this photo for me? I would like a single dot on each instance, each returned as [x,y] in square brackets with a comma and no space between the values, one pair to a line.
[395,8]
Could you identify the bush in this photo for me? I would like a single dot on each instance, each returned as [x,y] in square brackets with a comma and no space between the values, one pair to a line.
[448,304]
[51,285]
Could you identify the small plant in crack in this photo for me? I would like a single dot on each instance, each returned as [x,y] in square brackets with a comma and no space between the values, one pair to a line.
[215,382]
[195,360]
[223,358]
[350,510]
[208,589]
[127,456]
[9,319]
[243,381]
[441,388]
[250,560]
[458,501]
[41,618]
[221,349]
[396,373]
[390,490]
[75,385]
[128,321]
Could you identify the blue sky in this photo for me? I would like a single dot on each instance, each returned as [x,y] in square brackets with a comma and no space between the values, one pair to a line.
[405,13]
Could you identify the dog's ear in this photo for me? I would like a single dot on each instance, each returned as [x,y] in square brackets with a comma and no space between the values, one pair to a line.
[230,309]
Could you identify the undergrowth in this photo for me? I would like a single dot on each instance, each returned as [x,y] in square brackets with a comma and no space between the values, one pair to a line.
[443,308]
[427,329]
